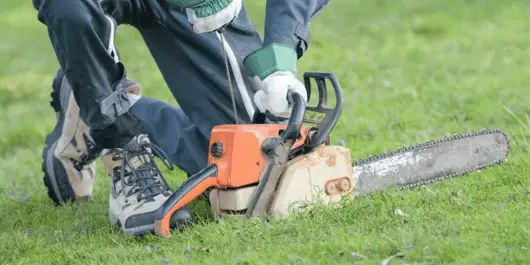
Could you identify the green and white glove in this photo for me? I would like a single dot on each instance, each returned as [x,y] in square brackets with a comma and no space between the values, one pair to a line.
[275,65]
[209,15]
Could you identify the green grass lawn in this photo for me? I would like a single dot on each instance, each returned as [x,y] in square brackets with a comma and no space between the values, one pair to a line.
[411,70]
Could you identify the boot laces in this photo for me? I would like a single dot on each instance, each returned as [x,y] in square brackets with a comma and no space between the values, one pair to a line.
[145,180]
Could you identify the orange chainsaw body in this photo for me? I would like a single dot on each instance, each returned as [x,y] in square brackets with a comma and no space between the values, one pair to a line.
[238,163]
[241,160]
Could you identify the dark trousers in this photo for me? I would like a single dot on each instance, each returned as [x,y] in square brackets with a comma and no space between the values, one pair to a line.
[82,36]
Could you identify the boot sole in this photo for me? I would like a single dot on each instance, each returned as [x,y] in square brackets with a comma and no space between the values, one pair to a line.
[55,177]
[135,231]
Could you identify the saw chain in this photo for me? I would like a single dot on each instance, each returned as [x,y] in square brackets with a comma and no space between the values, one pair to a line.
[431,143]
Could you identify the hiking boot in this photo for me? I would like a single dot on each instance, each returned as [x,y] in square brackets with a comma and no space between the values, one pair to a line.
[70,153]
[138,187]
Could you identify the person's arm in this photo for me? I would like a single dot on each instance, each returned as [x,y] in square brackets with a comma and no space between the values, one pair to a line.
[287,22]
[286,40]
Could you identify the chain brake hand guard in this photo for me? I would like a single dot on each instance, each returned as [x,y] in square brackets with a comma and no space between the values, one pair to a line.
[328,120]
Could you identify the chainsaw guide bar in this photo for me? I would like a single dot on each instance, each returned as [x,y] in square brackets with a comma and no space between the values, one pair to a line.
[430,162]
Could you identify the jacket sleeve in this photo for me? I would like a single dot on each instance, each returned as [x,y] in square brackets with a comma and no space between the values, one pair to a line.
[287,22]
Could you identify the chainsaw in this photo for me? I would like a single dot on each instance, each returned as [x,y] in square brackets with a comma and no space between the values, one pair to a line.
[268,171]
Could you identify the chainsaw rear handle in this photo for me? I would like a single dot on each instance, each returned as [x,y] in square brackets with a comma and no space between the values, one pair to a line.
[192,188]
[295,121]
[331,115]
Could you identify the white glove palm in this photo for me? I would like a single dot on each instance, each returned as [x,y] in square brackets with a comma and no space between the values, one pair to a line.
[273,95]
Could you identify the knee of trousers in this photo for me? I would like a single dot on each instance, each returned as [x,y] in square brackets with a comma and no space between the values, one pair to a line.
[111,107]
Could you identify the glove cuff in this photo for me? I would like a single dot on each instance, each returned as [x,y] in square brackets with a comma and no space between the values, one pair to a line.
[186,3]
[203,8]
[270,59]
[210,8]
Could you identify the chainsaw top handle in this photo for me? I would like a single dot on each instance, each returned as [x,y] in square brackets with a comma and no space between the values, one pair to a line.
[327,122]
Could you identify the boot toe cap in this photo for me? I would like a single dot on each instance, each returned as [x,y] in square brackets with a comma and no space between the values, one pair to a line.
[180,219]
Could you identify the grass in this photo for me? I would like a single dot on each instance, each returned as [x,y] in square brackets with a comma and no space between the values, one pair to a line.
[411,71]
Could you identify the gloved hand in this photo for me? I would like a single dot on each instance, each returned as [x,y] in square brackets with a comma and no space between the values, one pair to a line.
[273,96]
[275,65]
[209,15]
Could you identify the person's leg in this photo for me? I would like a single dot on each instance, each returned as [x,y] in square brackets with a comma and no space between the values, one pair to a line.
[193,66]
[82,36]
[170,128]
